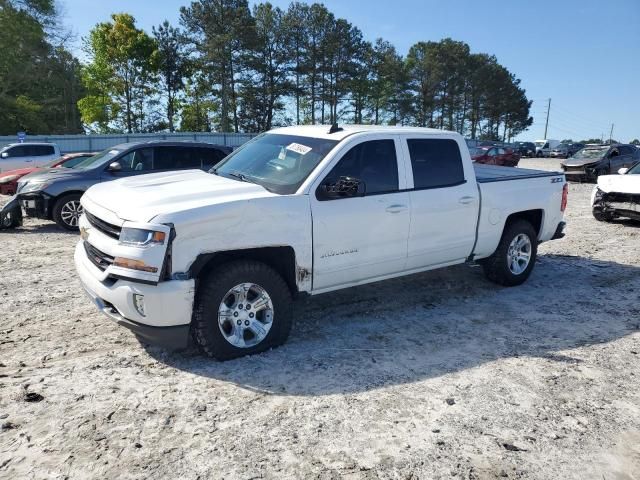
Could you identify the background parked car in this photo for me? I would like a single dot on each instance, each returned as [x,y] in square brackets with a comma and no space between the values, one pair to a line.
[54,194]
[496,156]
[591,162]
[9,179]
[565,150]
[544,147]
[21,155]
[525,149]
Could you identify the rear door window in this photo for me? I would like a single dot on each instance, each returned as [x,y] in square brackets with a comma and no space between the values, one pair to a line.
[436,163]
[210,157]
[175,158]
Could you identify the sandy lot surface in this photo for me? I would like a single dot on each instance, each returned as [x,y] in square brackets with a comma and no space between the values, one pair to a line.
[437,375]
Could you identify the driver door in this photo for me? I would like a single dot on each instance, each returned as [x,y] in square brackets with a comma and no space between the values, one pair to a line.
[361,237]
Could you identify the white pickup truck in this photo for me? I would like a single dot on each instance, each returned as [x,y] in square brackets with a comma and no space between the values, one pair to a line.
[219,256]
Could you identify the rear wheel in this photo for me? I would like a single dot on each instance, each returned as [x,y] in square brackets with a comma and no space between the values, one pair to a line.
[514,259]
[67,211]
[241,308]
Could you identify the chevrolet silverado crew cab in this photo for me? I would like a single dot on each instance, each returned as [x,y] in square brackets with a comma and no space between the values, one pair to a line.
[302,210]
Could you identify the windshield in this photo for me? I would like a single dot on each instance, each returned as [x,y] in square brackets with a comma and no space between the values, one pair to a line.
[591,153]
[635,170]
[279,163]
[540,143]
[99,159]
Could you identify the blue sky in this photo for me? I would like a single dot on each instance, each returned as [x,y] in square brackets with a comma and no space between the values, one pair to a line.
[584,55]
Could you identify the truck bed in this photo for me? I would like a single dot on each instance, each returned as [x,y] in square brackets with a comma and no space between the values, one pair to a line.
[494,173]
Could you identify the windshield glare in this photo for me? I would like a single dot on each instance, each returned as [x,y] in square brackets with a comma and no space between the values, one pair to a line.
[279,163]
[591,153]
[98,159]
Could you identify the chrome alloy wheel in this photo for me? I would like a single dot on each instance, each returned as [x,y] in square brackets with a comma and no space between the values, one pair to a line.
[519,254]
[245,315]
[70,213]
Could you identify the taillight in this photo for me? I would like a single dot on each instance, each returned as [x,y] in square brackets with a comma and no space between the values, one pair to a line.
[565,196]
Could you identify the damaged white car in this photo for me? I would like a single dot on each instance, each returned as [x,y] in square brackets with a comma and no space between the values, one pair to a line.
[617,196]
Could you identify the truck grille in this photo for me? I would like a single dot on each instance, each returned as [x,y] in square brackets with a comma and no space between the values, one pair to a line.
[108,229]
[98,258]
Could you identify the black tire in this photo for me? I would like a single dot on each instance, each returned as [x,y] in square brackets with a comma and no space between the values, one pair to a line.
[539,155]
[496,267]
[60,217]
[213,289]
[601,216]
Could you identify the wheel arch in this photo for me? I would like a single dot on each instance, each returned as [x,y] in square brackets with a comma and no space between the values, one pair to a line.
[54,200]
[535,217]
[281,258]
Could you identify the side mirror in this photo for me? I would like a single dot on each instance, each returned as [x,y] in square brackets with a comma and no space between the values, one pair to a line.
[622,171]
[5,155]
[343,187]
[115,167]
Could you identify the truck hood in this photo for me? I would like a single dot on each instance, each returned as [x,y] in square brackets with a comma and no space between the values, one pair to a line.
[141,198]
[619,183]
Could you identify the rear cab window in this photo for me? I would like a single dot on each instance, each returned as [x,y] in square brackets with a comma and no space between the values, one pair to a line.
[435,163]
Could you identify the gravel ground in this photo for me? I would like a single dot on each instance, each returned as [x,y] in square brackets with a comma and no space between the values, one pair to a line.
[436,375]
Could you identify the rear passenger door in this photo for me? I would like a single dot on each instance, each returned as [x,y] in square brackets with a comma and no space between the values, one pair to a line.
[444,203]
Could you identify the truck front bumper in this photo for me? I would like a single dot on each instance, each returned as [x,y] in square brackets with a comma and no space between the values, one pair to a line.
[167,306]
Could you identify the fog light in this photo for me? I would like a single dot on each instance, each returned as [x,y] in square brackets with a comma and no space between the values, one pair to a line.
[138,301]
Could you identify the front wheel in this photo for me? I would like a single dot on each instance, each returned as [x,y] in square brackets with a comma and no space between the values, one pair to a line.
[601,216]
[512,262]
[241,308]
[67,211]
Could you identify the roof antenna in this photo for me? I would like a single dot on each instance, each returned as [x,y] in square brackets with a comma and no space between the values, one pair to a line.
[335,128]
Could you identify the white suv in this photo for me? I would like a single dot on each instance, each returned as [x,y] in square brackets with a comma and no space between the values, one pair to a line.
[24,155]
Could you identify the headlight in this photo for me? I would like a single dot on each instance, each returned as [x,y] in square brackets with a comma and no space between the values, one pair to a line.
[10,178]
[138,237]
[33,187]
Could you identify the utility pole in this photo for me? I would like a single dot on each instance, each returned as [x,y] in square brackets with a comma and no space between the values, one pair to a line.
[546,125]
[611,134]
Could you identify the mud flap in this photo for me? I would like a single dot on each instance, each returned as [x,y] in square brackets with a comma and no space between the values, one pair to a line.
[11,214]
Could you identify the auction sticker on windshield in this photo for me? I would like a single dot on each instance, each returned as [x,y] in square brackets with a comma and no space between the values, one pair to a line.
[301,149]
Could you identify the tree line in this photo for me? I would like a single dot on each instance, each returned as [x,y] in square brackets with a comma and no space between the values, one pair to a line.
[228,67]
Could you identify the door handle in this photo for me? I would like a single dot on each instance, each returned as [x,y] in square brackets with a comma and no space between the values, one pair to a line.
[397,208]
[467,200]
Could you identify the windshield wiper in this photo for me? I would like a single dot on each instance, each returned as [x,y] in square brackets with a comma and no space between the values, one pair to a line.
[240,176]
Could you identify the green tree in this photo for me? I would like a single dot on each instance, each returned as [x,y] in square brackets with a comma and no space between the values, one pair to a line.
[266,81]
[39,78]
[221,32]
[173,66]
[120,76]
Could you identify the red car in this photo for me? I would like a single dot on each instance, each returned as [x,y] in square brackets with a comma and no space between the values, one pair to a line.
[9,180]
[495,156]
